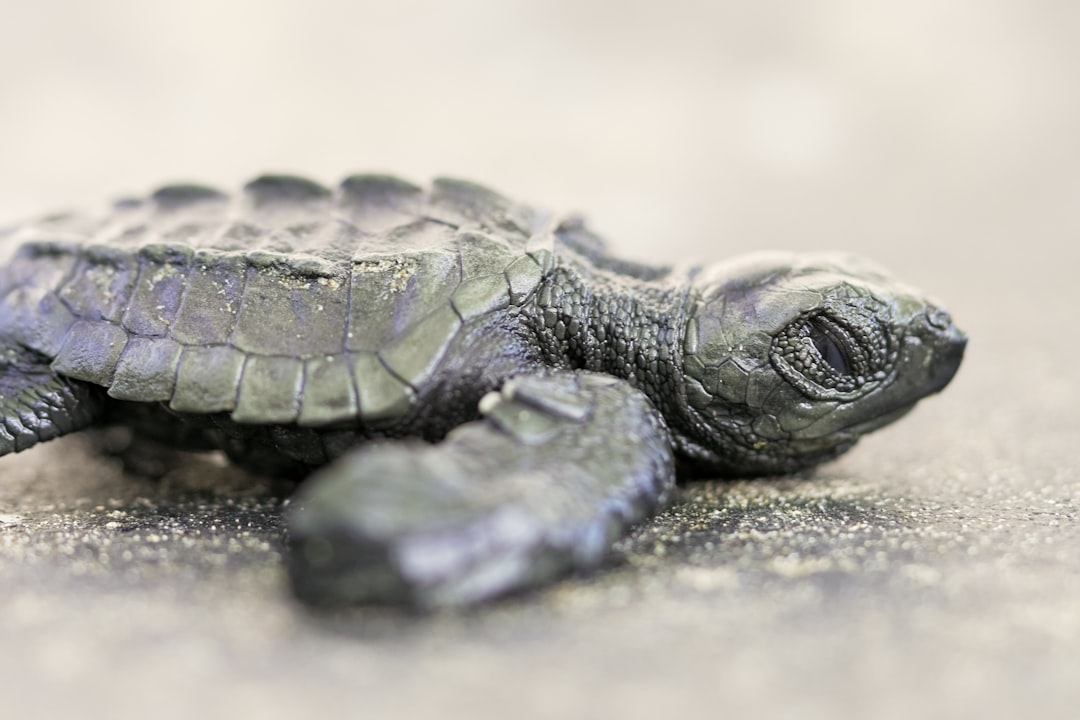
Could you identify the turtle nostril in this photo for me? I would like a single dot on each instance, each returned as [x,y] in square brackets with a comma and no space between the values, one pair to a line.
[945,344]
[936,327]
[938,318]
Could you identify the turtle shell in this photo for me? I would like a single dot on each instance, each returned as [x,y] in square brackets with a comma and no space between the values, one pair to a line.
[286,302]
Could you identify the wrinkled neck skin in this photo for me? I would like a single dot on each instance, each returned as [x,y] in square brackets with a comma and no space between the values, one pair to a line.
[617,323]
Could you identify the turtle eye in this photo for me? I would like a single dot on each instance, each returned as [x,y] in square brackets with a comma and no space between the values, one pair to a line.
[831,348]
[824,355]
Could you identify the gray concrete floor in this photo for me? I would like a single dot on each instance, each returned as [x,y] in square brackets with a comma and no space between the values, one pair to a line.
[933,572]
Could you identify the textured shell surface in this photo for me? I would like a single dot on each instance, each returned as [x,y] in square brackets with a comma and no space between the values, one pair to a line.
[286,302]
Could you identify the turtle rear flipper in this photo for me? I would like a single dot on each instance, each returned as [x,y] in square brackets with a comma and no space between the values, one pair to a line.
[555,472]
[36,404]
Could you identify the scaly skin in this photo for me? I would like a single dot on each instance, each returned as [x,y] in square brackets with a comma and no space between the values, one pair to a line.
[290,325]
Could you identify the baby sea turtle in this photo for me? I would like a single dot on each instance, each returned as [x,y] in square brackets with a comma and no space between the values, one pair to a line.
[554,384]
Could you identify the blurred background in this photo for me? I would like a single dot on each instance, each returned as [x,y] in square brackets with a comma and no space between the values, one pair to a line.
[938,136]
[682,128]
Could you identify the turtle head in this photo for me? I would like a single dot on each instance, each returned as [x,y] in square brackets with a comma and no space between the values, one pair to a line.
[788,359]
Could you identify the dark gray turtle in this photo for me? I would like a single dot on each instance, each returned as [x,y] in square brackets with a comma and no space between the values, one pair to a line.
[290,323]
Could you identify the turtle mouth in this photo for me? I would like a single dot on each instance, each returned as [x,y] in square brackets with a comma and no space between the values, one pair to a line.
[829,429]
[862,427]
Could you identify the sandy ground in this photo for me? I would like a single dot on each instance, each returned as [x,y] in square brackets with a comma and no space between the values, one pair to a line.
[933,572]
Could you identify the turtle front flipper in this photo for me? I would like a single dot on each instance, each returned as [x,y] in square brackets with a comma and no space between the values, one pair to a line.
[36,404]
[558,468]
